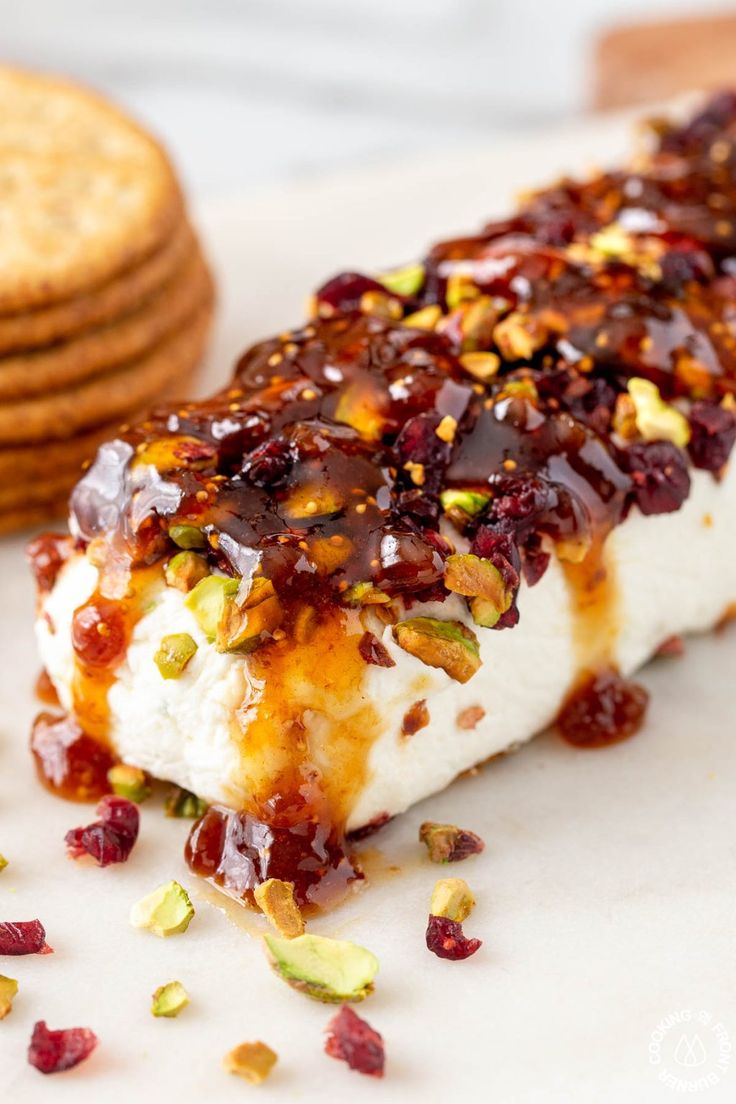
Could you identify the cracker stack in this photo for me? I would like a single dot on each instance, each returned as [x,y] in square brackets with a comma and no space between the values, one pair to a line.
[105,297]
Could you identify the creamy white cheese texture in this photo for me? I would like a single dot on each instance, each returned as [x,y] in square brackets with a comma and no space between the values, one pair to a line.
[674,573]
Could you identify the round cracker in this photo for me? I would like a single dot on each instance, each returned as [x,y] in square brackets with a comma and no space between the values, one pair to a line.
[97,351]
[38,328]
[85,193]
[109,396]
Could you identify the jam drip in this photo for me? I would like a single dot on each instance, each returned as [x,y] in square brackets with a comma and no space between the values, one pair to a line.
[484,399]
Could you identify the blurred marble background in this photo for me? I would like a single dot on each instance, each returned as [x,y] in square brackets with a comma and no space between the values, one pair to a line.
[247,92]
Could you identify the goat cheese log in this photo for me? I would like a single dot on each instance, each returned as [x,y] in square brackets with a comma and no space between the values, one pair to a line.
[469,497]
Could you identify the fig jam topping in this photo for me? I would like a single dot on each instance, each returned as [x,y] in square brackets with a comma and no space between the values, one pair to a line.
[68,762]
[486,394]
[604,709]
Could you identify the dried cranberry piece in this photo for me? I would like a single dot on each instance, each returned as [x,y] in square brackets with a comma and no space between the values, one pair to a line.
[270,463]
[23,937]
[446,939]
[352,1040]
[111,838]
[604,710]
[685,265]
[659,476]
[343,292]
[418,443]
[53,1051]
[373,651]
[46,555]
[499,547]
[713,430]
[418,507]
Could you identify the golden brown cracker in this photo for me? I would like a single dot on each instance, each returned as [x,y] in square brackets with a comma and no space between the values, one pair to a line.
[31,517]
[104,398]
[96,351]
[38,328]
[85,193]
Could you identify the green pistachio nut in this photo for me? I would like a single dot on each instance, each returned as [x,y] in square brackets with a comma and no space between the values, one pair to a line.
[656,420]
[452,898]
[181,803]
[406,281]
[449,645]
[174,654]
[365,594]
[188,536]
[8,990]
[130,782]
[207,601]
[169,1000]
[242,626]
[466,502]
[185,570]
[483,583]
[328,970]
[166,911]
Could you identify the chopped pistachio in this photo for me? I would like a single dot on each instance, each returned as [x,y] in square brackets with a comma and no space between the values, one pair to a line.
[312,500]
[130,782]
[181,803]
[406,281]
[365,594]
[3,862]
[424,319]
[185,570]
[361,406]
[242,625]
[166,911]
[169,453]
[8,990]
[252,1061]
[460,288]
[169,1000]
[482,366]
[656,420]
[328,970]
[470,502]
[416,472]
[479,318]
[452,898]
[612,241]
[174,654]
[448,843]
[520,388]
[276,901]
[207,600]
[187,536]
[518,336]
[480,580]
[447,429]
[446,644]
[381,305]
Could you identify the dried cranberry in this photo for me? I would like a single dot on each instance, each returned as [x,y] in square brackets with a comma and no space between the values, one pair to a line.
[109,839]
[683,266]
[368,829]
[46,556]
[604,710]
[713,430]
[418,443]
[446,939]
[270,463]
[53,1051]
[373,651]
[659,476]
[99,634]
[354,1041]
[23,938]
[418,507]
[344,292]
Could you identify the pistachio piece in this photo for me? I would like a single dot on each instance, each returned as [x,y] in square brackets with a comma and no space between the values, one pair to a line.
[207,600]
[469,502]
[3,862]
[311,500]
[406,281]
[518,336]
[328,970]
[381,305]
[242,625]
[169,453]
[174,654]
[480,580]
[446,644]
[452,898]
[447,429]
[656,420]
[169,1000]
[448,843]
[130,782]
[251,1061]
[481,366]
[276,901]
[185,570]
[187,536]
[365,594]
[361,406]
[181,803]
[8,990]
[424,319]
[166,911]
[460,288]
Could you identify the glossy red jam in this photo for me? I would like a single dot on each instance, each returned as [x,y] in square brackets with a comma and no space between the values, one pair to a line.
[69,763]
[604,709]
